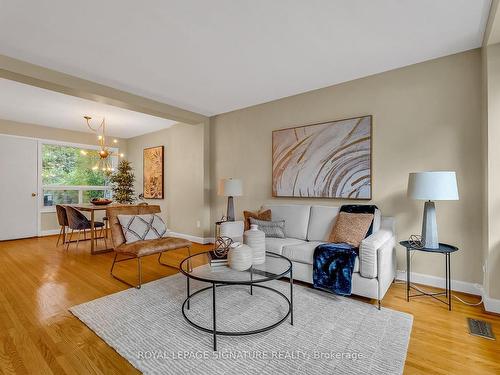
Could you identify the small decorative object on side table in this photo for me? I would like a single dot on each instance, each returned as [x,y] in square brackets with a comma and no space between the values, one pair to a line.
[442,249]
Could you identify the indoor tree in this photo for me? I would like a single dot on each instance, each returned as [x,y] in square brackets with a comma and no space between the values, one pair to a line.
[122,182]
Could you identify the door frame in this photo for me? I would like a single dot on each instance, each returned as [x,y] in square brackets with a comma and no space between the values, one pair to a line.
[37,189]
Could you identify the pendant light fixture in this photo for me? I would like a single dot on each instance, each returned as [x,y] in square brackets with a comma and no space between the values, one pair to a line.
[105,151]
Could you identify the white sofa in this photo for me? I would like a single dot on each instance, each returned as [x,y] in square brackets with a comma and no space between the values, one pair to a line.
[308,226]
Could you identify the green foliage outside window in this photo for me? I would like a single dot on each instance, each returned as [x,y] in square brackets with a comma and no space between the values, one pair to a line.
[65,165]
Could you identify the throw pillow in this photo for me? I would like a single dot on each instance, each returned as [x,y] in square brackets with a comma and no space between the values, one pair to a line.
[365,209]
[142,227]
[351,228]
[259,215]
[275,229]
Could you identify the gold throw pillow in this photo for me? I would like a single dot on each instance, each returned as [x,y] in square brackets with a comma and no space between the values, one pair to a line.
[259,215]
[350,228]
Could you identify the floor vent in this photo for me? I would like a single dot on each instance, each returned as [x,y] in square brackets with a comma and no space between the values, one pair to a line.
[480,328]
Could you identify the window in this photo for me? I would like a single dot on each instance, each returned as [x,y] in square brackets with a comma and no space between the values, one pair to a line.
[68,176]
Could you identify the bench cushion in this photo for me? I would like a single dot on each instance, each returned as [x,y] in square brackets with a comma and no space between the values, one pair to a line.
[148,247]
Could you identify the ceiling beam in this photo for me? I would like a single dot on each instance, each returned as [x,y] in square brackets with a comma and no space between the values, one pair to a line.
[35,75]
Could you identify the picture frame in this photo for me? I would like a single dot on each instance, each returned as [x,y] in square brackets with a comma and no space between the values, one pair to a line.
[153,172]
[330,159]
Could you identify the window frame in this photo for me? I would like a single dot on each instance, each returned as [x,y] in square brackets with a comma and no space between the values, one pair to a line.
[80,188]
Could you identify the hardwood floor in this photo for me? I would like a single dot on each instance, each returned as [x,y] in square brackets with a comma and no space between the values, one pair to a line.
[39,282]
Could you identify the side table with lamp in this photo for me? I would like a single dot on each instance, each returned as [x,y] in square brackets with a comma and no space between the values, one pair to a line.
[431,186]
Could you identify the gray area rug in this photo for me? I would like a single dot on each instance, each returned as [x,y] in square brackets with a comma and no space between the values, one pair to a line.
[330,335]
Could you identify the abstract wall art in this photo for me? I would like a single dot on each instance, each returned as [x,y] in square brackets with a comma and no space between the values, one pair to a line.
[326,160]
[153,172]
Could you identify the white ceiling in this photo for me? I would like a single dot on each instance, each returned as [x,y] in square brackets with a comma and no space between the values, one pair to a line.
[220,55]
[29,104]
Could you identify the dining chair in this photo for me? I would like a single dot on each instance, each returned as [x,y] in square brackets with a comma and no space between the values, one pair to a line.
[62,219]
[78,221]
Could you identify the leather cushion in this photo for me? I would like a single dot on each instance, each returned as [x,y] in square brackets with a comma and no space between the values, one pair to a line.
[147,247]
[112,213]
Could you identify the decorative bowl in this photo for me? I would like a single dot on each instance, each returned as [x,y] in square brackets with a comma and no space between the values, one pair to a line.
[101,202]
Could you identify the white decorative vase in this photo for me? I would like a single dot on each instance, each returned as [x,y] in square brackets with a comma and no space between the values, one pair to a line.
[256,239]
[239,257]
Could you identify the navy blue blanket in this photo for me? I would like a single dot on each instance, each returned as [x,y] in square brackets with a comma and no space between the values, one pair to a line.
[333,266]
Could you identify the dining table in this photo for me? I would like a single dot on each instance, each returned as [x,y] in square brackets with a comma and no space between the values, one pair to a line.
[91,209]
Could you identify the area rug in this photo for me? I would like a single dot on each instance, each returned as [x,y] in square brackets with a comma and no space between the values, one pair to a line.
[330,334]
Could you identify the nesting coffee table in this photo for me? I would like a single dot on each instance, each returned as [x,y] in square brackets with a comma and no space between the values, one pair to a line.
[276,266]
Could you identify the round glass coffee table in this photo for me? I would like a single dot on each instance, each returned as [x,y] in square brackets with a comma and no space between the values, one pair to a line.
[275,267]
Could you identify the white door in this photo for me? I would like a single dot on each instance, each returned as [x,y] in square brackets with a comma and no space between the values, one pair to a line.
[18,187]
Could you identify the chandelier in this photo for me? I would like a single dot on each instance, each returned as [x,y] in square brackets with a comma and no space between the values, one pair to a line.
[105,153]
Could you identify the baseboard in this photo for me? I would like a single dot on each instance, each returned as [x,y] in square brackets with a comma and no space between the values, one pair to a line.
[490,304]
[191,238]
[49,232]
[439,282]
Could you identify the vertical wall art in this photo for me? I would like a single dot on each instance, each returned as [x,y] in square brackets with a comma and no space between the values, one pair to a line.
[326,160]
[153,161]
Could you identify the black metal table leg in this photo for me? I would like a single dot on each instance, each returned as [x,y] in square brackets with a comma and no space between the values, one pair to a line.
[407,275]
[213,313]
[188,292]
[449,281]
[446,273]
[251,279]
[291,297]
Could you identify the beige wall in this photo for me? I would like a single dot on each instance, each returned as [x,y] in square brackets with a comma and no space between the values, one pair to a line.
[183,205]
[425,117]
[48,220]
[491,81]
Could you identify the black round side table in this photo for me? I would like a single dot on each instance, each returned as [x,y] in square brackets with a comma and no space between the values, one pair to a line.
[443,249]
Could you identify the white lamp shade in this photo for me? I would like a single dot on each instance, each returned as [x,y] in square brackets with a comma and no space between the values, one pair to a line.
[231,187]
[433,186]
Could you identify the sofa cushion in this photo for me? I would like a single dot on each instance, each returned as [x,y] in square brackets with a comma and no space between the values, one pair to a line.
[296,218]
[274,229]
[275,245]
[304,253]
[321,222]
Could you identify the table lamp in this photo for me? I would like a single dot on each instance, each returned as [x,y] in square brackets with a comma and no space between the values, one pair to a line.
[432,186]
[230,187]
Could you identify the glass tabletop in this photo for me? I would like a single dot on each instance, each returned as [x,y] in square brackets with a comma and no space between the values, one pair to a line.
[274,267]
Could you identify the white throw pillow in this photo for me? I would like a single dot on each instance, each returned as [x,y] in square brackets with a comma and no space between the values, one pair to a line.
[142,227]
